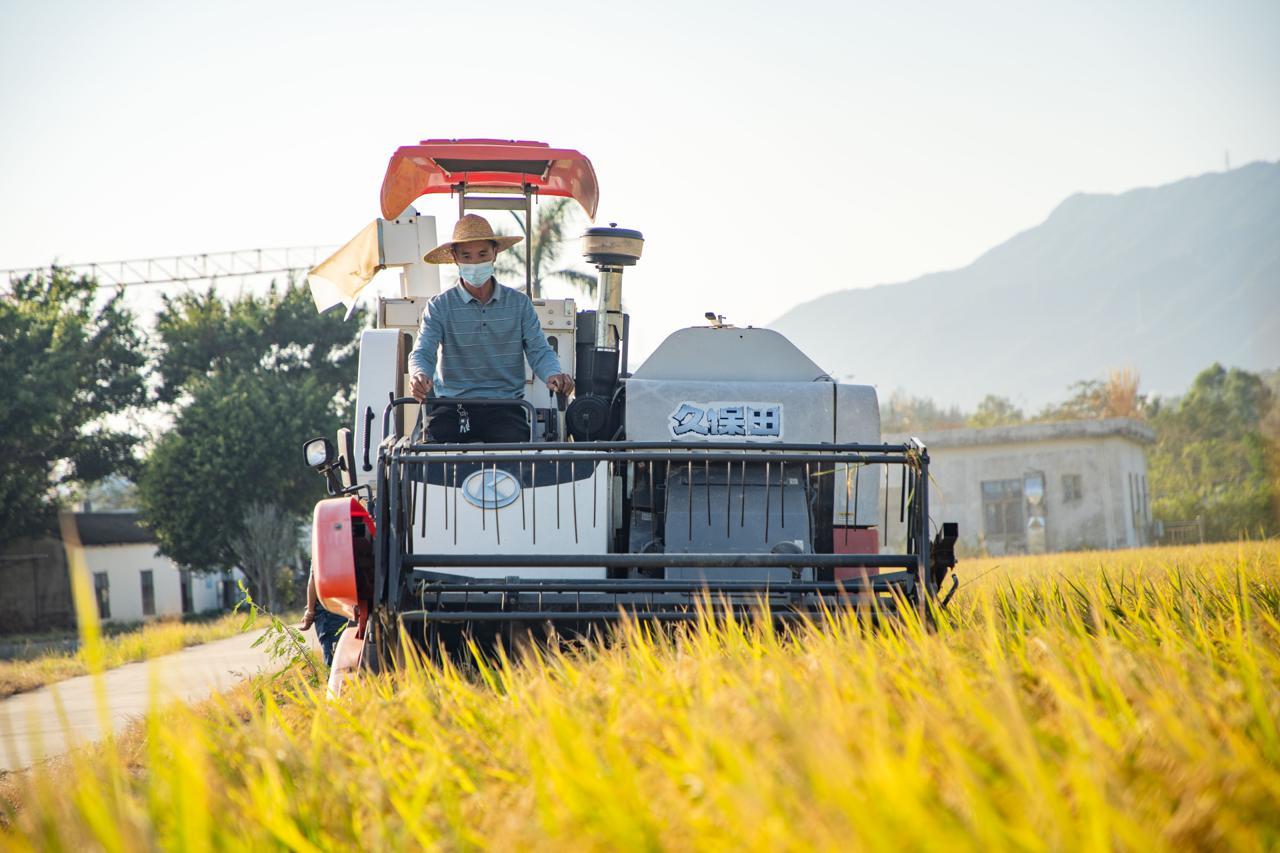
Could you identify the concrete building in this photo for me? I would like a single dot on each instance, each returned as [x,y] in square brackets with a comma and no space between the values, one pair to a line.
[1039,487]
[132,581]
[35,588]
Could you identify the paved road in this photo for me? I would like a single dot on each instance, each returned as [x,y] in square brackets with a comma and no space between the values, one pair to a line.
[32,728]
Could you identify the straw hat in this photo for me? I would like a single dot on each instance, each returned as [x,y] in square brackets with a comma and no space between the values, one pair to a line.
[470,227]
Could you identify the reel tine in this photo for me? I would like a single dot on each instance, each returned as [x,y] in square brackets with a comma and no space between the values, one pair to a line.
[728,495]
[667,485]
[902,497]
[857,473]
[497,510]
[689,483]
[782,495]
[886,506]
[573,488]
[653,509]
[425,478]
[408,494]
[767,494]
[808,483]
[706,476]
[848,492]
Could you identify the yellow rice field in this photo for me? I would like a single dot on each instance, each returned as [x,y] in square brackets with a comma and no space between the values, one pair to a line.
[1086,701]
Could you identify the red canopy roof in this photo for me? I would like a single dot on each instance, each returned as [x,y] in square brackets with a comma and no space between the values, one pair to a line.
[437,165]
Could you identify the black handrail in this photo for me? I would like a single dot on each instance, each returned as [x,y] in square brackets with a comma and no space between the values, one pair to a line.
[368,426]
[465,401]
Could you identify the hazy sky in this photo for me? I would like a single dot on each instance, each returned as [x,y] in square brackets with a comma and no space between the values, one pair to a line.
[769,152]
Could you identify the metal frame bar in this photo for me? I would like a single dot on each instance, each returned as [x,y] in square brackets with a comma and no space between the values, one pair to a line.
[657,561]
[533,455]
[628,446]
[874,583]
[430,616]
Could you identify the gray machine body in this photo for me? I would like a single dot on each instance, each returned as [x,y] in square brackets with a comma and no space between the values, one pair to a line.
[704,516]
[716,385]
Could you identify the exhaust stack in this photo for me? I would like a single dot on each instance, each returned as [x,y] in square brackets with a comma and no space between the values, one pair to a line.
[602,339]
[610,249]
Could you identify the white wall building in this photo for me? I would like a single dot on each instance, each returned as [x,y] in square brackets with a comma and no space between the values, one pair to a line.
[133,582]
[1039,487]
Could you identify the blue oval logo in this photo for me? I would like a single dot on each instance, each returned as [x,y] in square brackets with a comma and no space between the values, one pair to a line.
[490,489]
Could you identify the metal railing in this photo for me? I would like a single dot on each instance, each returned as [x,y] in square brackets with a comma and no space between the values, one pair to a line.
[404,577]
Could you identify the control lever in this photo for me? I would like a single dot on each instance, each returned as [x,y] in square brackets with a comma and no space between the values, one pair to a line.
[562,400]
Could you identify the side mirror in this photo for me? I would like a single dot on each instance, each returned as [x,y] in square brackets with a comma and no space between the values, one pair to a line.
[346,457]
[318,452]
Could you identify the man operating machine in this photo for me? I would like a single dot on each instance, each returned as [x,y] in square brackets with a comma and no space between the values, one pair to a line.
[482,332]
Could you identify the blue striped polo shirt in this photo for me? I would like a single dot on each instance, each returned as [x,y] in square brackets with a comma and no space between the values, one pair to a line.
[481,348]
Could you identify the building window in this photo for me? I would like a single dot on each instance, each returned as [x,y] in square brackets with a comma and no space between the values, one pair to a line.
[1072,488]
[148,593]
[1146,500]
[1004,515]
[228,592]
[102,592]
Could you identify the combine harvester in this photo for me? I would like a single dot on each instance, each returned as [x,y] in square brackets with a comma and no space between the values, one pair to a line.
[728,469]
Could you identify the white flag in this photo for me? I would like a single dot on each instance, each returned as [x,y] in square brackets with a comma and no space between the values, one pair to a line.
[339,278]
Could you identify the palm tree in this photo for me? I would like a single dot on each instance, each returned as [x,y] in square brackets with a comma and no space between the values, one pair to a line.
[554,218]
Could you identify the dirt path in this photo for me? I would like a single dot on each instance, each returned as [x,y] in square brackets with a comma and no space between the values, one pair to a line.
[32,726]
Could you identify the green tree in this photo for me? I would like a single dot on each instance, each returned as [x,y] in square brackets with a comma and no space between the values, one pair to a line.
[1215,453]
[905,413]
[70,366]
[203,334]
[553,220]
[267,540]
[995,411]
[1117,397]
[253,378]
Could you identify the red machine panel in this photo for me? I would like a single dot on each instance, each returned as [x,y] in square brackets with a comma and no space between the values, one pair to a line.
[855,540]
[333,552]
[437,165]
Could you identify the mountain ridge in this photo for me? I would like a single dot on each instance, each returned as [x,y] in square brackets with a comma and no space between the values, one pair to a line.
[1165,279]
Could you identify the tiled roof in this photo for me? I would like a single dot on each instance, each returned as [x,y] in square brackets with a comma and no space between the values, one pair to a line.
[111,528]
[1044,431]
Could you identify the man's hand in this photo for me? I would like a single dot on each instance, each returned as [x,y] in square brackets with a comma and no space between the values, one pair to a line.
[308,619]
[420,386]
[561,383]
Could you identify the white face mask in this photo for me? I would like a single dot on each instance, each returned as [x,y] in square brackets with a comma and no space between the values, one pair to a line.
[476,274]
